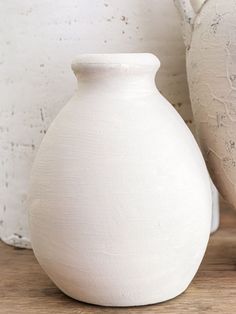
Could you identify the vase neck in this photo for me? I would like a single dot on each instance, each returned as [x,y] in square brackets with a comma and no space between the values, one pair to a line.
[116,74]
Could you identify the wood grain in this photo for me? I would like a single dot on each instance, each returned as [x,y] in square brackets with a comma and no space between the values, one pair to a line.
[24,287]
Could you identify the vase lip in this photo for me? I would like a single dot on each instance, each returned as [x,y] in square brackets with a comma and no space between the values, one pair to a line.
[134,59]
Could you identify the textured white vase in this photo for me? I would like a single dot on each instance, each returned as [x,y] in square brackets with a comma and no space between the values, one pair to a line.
[39,40]
[120,200]
[211,66]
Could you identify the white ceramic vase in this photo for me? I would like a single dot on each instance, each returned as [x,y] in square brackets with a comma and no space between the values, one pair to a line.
[120,201]
[209,32]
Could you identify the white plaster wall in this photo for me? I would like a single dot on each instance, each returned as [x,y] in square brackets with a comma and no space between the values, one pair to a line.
[40,39]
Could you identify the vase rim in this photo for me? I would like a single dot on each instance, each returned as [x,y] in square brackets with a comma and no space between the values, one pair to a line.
[138,59]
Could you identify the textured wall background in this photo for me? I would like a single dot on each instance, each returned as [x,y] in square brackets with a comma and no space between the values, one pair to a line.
[40,39]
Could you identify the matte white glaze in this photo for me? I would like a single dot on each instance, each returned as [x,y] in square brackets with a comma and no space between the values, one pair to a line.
[120,201]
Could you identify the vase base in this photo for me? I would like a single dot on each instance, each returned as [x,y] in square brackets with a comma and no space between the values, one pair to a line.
[127,303]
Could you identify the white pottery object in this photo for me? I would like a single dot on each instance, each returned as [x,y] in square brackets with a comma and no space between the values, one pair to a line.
[211,67]
[215,220]
[120,201]
[39,38]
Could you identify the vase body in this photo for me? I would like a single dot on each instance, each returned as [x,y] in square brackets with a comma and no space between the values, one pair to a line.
[36,82]
[211,67]
[120,201]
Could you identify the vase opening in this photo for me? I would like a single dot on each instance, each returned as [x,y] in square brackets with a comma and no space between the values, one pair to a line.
[146,60]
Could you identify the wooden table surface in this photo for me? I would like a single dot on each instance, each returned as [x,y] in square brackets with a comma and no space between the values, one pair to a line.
[24,287]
